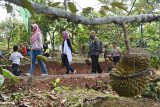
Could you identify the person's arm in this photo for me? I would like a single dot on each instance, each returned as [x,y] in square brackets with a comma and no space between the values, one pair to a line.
[40,40]
[22,57]
[69,44]
[101,45]
[26,58]
[10,58]
[112,53]
[99,50]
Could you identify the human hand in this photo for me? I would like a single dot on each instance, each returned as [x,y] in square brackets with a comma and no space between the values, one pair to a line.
[97,53]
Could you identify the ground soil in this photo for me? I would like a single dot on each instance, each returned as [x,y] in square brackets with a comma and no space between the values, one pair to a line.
[55,68]
[37,90]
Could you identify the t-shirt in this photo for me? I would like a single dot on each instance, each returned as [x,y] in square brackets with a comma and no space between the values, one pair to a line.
[15,57]
[116,51]
[24,51]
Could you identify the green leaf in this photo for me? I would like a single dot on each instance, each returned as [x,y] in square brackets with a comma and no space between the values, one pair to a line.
[102,12]
[54,4]
[105,7]
[72,7]
[26,4]
[88,9]
[7,73]
[119,5]
[57,80]
[116,3]
[9,8]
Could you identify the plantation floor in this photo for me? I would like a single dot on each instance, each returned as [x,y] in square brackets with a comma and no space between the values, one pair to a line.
[75,90]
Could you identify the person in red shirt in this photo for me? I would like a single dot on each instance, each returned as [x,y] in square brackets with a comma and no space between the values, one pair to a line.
[23,49]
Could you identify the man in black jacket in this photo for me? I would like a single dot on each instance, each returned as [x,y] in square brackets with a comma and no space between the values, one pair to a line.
[95,49]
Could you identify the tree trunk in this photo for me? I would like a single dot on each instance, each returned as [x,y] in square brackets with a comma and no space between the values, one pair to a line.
[126,37]
[53,40]
[65,5]
[142,39]
[8,40]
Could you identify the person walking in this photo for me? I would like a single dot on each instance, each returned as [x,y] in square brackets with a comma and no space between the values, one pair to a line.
[116,53]
[95,49]
[108,58]
[67,53]
[36,49]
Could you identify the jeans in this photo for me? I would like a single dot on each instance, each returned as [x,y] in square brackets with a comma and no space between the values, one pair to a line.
[95,65]
[15,68]
[66,64]
[34,53]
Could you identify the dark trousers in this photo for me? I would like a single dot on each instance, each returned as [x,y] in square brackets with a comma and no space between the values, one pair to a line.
[116,59]
[66,64]
[16,70]
[109,67]
[95,65]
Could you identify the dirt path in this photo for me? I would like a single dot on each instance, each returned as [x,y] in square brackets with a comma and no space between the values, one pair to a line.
[55,68]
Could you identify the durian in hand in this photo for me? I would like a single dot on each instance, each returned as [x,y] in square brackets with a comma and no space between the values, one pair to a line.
[42,58]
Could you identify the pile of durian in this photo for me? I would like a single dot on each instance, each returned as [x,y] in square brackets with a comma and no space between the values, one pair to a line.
[132,74]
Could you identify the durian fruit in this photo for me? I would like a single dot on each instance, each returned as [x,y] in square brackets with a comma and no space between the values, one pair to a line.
[41,57]
[5,72]
[129,87]
[136,60]
[131,76]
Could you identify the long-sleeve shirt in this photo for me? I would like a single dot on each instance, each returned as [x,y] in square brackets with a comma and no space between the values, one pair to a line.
[95,47]
[38,44]
[69,44]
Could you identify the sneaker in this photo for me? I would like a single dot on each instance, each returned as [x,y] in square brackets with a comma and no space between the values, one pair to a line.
[44,74]
[28,74]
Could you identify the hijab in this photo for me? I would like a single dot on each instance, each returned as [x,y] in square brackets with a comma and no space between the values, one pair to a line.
[36,32]
[65,35]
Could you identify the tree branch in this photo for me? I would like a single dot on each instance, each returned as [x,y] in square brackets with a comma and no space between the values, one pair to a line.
[40,8]
[131,7]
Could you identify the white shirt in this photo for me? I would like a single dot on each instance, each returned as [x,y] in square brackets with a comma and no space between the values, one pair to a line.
[67,51]
[15,58]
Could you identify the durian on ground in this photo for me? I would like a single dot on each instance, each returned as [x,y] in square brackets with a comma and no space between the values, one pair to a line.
[131,75]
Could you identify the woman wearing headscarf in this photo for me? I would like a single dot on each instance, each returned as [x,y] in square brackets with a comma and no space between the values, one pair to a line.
[67,52]
[36,49]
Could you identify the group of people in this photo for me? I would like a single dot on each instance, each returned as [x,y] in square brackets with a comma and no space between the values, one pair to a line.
[112,56]
[37,49]
[95,49]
